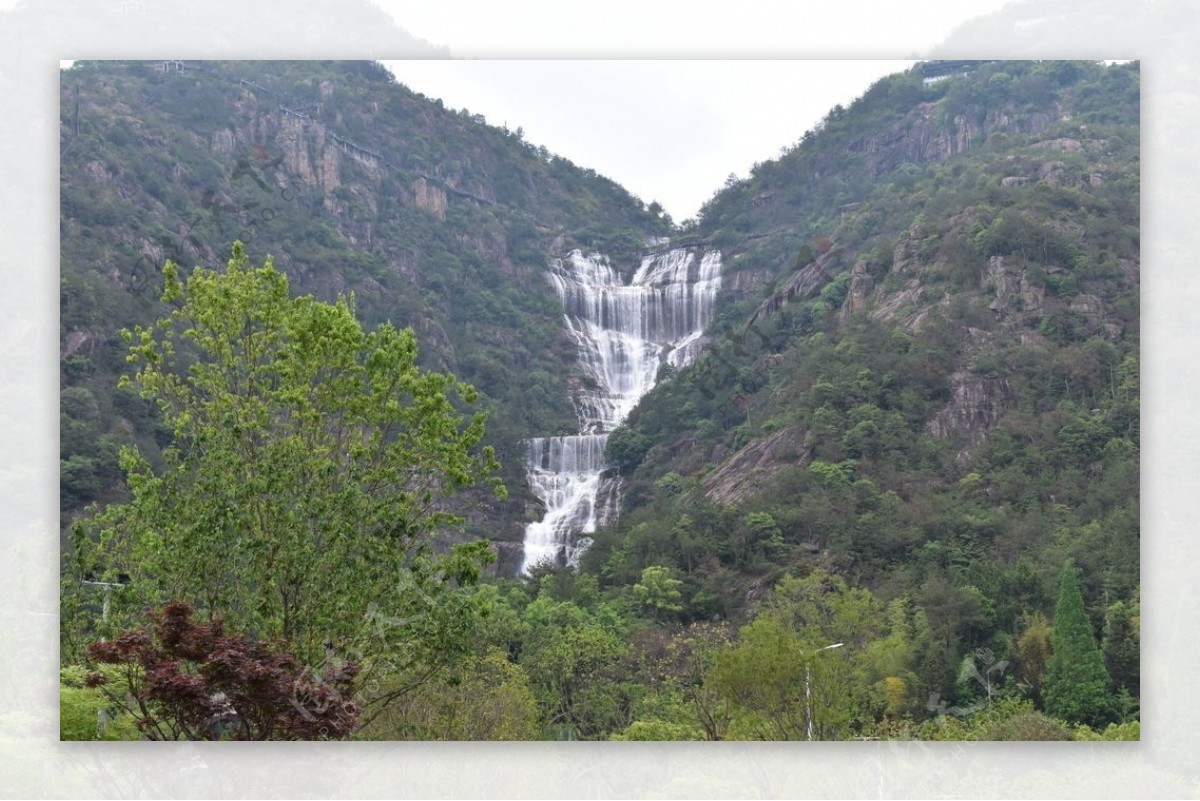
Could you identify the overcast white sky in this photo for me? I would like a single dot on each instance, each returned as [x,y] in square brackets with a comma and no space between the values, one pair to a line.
[669,131]
[672,128]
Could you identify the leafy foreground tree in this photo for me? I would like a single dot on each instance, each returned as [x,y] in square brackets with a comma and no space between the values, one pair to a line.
[813,655]
[184,680]
[310,464]
[1077,684]
[487,698]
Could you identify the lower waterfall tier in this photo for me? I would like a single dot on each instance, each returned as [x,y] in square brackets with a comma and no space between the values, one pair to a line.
[568,475]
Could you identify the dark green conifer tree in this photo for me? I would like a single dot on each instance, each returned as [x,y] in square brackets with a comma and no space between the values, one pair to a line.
[1077,684]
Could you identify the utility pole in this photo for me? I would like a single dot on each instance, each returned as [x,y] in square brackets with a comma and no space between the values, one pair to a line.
[107,590]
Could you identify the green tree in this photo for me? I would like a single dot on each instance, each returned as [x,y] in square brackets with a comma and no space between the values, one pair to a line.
[1033,653]
[698,646]
[814,650]
[658,730]
[571,657]
[765,532]
[311,463]
[626,447]
[658,592]
[897,656]
[1077,684]
[1122,653]
[488,698]
[822,608]
[762,675]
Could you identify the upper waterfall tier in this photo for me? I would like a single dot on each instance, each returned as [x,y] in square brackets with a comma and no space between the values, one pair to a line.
[626,331]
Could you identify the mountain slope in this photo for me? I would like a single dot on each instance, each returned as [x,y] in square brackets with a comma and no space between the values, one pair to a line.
[927,380]
[432,218]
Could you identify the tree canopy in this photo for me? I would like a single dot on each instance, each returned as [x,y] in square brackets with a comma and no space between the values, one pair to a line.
[311,462]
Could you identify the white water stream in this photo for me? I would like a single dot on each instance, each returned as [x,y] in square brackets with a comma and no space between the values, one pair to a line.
[624,333]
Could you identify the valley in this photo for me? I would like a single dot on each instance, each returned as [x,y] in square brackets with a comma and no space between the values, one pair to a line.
[882,393]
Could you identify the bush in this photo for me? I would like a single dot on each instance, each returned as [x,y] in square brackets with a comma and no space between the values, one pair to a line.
[84,713]
[1027,726]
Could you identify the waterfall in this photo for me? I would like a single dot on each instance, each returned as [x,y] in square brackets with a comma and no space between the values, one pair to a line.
[624,333]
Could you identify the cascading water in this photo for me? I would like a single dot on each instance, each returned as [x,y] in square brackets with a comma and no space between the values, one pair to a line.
[624,333]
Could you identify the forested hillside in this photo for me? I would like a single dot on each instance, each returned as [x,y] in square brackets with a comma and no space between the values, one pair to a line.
[895,496]
[916,299]
[927,381]
[432,218]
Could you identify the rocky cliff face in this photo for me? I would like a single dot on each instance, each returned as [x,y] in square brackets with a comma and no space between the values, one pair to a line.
[932,135]
[804,284]
[742,474]
[430,198]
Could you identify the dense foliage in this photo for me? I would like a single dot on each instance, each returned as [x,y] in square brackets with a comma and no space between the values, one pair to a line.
[307,476]
[935,391]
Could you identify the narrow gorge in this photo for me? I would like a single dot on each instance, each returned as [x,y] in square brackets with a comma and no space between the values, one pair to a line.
[624,332]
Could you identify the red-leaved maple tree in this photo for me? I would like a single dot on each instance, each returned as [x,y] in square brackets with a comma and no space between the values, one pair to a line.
[186,680]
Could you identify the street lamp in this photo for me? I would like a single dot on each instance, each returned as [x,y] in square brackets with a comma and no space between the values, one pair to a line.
[808,682]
